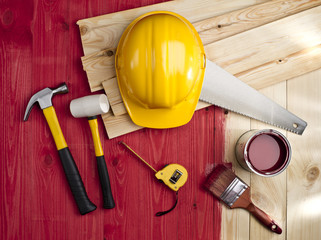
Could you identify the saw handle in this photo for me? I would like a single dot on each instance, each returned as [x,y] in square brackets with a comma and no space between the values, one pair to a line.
[70,168]
[108,200]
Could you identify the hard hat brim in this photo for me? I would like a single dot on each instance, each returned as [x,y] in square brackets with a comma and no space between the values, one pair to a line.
[160,118]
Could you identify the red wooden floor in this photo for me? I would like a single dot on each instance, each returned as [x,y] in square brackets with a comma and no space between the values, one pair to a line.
[40,47]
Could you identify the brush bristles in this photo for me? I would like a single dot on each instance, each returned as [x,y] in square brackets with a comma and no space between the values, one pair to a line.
[219,180]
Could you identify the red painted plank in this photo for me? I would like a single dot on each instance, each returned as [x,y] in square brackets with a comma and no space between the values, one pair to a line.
[139,195]
[15,55]
[40,47]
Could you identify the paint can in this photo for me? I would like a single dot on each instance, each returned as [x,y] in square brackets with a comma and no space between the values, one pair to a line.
[264,152]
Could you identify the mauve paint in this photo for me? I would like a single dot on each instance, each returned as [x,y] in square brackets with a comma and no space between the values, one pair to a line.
[267,153]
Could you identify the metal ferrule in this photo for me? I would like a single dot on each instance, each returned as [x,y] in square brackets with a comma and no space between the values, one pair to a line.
[233,191]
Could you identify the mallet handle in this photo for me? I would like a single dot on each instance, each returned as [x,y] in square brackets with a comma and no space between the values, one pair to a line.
[105,183]
[108,200]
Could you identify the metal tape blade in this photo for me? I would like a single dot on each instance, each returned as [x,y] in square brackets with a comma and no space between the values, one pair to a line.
[224,90]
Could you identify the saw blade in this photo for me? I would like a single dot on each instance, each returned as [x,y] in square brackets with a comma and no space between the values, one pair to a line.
[224,90]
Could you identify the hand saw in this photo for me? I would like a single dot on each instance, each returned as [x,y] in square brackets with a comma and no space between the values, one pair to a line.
[224,90]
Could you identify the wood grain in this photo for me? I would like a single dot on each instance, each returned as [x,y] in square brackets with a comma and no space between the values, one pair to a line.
[292,52]
[104,31]
[259,77]
[100,35]
[40,47]
[236,219]
[270,193]
[220,27]
[15,55]
[235,22]
[52,200]
[114,97]
[303,179]
[118,122]
[279,39]
[140,195]
[282,69]
[290,196]
[99,68]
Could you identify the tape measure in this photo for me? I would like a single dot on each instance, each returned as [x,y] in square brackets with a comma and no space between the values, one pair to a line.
[172,175]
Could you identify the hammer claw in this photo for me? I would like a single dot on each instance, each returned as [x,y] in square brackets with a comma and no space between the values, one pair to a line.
[29,107]
[43,98]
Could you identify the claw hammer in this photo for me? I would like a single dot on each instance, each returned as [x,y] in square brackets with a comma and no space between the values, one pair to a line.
[43,98]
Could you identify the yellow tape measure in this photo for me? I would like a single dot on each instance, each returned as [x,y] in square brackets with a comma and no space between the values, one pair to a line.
[173,175]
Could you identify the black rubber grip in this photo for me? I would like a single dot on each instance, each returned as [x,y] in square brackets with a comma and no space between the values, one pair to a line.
[105,183]
[75,182]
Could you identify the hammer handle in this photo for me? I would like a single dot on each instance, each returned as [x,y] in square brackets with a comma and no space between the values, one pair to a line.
[75,182]
[108,200]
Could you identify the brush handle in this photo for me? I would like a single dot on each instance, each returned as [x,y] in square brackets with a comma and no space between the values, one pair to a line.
[264,218]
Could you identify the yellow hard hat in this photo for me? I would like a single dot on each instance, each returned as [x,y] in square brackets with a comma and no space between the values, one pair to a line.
[160,65]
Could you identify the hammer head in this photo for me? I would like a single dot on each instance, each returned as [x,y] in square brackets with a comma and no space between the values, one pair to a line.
[44,97]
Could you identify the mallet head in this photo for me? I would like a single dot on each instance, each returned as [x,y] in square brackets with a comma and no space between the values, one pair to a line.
[44,97]
[89,106]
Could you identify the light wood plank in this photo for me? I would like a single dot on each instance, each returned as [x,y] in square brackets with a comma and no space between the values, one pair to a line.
[303,181]
[104,31]
[293,64]
[235,222]
[270,193]
[285,68]
[220,27]
[258,77]
[122,124]
[118,125]
[99,67]
[114,97]
[104,28]
[271,42]
[276,9]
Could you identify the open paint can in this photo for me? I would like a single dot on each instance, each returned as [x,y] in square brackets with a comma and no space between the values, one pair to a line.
[264,152]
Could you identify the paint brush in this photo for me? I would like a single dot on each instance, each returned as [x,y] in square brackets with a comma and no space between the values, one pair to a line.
[230,189]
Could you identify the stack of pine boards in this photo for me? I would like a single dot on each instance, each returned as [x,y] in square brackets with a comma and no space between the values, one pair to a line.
[264,43]
[261,44]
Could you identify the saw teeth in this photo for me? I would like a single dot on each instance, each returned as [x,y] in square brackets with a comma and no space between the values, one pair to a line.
[231,109]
